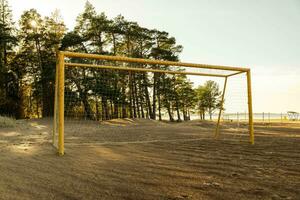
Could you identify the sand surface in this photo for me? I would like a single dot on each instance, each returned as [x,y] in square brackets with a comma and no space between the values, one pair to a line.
[143,159]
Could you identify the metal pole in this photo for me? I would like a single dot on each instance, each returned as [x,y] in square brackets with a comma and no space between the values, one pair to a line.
[149,61]
[141,69]
[250,110]
[55,117]
[221,108]
[61,90]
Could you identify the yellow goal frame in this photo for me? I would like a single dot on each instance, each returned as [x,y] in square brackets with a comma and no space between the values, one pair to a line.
[58,125]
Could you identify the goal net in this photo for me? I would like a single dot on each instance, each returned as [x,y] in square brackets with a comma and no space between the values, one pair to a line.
[93,90]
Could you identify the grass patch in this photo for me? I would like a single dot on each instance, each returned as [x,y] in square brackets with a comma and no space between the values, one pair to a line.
[6,122]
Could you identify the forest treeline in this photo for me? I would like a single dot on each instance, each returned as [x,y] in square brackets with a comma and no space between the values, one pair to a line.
[28,59]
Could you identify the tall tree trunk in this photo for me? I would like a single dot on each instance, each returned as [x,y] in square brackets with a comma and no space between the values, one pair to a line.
[133,92]
[154,97]
[177,110]
[46,105]
[147,96]
[124,112]
[140,98]
[5,55]
[114,44]
[189,114]
[37,107]
[184,114]
[116,110]
[87,108]
[130,96]
[30,103]
[159,107]
[105,108]
[142,108]
[115,99]
[47,99]
[83,97]
[158,98]
[20,102]
[170,112]
[137,99]
[111,110]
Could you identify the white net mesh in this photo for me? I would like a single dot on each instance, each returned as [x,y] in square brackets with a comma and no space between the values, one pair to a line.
[99,92]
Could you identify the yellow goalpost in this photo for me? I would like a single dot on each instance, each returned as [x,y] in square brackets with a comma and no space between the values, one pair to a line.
[64,61]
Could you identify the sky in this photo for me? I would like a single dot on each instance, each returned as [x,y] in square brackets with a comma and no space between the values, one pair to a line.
[263,35]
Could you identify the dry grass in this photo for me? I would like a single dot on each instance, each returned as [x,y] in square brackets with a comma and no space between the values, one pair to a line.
[6,122]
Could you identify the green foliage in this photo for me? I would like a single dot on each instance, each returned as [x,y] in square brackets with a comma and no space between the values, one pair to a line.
[7,43]
[208,97]
[30,69]
[39,40]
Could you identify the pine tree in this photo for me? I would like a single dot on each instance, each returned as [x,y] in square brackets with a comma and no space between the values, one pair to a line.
[39,41]
[8,83]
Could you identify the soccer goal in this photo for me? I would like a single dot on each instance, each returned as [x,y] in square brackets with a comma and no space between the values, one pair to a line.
[91,89]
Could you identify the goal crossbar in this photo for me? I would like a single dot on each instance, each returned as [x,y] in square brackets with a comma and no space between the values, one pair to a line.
[150,61]
[60,79]
[140,69]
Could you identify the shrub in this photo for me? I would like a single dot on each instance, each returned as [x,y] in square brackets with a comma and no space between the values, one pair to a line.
[7,122]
